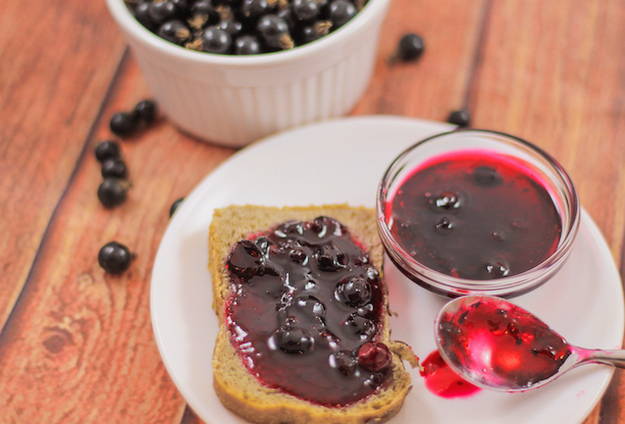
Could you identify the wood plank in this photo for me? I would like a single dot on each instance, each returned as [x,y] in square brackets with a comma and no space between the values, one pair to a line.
[437,83]
[552,72]
[57,63]
[79,347]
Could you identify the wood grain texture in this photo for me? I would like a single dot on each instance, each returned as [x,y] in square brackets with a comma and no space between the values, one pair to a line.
[79,347]
[438,82]
[50,58]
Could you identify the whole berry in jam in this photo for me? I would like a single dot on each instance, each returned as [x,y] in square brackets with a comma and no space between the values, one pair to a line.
[344,362]
[114,258]
[360,326]
[305,10]
[124,124]
[341,11]
[216,40]
[275,32]
[447,200]
[497,270]
[374,356]
[460,117]
[246,44]
[444,225]
[486,176]
[174,206]
[410,48]
[330,259]
[355,292]
[293,340]
[107,150]
[161,12]
[114,168]
[246,259]
[112,192]
[146,111]
[175,31]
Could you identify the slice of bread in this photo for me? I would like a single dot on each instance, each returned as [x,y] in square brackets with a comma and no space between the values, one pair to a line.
[240,391]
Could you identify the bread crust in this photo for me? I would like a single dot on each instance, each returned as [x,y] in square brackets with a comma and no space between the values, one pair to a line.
[241,392]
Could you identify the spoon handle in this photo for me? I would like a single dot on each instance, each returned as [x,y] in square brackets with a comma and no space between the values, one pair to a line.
[614,357]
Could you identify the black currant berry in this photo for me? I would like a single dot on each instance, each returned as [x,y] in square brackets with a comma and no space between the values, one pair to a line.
[460,117]
[161,12]
[341,11]
[275,32]
[114,168]
[174,206]
[142,13]
[410,48]
[344,362]
[255,8]
[293,340]
[124,124]
[216,40]
[114,257]
[355,292]
[247,44]
[146,111]
[305,10]
[107,150]
[175,31]
[112,192]
[231,27]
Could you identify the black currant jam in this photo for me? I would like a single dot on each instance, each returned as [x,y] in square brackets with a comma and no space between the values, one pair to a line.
[475,214]
[502,343]
[305,312]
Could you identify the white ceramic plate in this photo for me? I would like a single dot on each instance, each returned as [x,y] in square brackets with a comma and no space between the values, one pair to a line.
[342,161]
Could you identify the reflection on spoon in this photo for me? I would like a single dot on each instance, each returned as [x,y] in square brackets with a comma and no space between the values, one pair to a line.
[497,345]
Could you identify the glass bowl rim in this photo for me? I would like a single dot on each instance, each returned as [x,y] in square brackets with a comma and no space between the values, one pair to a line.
[472,285]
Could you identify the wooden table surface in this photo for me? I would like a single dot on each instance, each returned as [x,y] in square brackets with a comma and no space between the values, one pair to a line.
[76,345]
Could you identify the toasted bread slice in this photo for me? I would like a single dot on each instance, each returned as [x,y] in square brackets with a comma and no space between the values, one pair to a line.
[240,391]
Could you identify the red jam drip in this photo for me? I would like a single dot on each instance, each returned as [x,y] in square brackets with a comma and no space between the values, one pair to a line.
[305,299]
[475,214]
[499,343]
[441,380]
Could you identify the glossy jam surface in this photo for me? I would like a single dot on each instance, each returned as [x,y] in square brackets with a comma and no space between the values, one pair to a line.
[305,312]
[475,214]
[501,344]
[441,380]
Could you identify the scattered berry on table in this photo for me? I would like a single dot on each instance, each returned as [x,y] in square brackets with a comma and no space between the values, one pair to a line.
[124,124]
[274,25]
[112,192]
[114,168]
[174,206]
[460,117]
[108,149]
[410,48]
[146,110]
[114,257]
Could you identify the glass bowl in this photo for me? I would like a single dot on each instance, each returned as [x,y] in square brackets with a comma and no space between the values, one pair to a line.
[555,179]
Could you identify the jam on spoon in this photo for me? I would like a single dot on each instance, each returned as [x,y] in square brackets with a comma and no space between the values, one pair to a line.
[495,344]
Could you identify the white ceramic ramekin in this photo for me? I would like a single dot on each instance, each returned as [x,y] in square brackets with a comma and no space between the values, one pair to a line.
[234,100]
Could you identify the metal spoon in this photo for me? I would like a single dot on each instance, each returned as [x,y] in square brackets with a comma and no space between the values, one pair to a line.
[497,345]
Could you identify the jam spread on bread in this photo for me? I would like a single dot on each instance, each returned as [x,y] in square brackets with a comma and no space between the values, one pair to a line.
[305,312]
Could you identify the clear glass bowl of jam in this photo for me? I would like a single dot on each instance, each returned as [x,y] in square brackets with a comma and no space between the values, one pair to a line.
[477,212]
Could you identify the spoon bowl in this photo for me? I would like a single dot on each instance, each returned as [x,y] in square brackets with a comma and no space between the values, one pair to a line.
[498,345]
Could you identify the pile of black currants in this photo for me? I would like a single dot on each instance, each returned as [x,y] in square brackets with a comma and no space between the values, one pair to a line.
[243,27]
